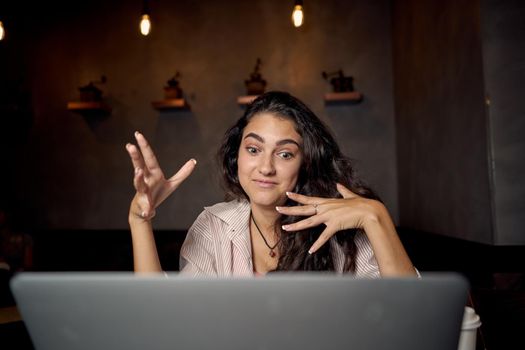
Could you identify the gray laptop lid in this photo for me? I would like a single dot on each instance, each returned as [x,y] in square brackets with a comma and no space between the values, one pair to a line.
[289,311]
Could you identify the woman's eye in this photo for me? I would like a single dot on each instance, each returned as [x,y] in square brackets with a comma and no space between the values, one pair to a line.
[286,155]
[251,150]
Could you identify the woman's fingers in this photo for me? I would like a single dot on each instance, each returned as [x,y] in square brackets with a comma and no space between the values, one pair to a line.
[138,181]
[147,152]
[136,157]
[311,221]
[345,192]
[301,198]
[182,174]
[323,238]
[299,210]
[171,184]
[335,213]
[151,186]
[327,233]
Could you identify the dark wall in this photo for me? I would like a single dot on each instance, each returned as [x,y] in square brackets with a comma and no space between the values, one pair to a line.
[69,171]
[503,35]
[458,76]
[441,121]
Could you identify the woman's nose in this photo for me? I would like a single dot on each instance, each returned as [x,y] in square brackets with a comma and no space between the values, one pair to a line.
[266,166]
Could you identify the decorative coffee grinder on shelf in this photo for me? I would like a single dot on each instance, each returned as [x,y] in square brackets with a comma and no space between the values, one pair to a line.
[256,84]
[173,90]
[342,88]
[90,93]
[340,83]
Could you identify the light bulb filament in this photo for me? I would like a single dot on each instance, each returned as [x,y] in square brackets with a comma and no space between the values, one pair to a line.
[145,25]
[297,15]
[2,31]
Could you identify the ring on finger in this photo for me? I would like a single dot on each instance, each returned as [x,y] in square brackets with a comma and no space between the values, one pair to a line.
[315,209]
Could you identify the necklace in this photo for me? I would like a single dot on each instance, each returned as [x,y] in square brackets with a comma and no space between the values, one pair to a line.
[272,253]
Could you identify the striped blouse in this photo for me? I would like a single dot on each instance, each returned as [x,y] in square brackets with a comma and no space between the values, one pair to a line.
[218,244]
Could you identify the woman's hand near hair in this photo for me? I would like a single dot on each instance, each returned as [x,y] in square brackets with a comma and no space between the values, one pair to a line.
[351,212]
[152,188]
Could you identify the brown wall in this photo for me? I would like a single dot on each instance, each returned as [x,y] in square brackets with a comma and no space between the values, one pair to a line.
[503,33]
[67,171]
[458,76]
[447,161]
[441,120]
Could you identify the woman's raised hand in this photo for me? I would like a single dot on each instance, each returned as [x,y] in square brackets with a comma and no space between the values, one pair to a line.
[353,211]
[337,214]
[149,180]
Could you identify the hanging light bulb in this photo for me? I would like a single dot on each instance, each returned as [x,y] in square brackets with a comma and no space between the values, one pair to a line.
[145,25]
[2,31]
[297,14]
[145,21]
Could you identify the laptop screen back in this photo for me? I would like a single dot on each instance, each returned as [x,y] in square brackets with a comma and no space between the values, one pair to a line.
[281,311]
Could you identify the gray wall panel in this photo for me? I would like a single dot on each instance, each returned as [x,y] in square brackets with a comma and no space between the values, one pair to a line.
[503,27]
[440,119]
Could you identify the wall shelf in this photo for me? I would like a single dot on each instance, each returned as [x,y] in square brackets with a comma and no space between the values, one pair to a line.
[92,106]
[172,103]
[339,97]
[246,100]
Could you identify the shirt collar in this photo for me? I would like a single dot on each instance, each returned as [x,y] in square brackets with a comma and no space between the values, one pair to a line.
[236,214]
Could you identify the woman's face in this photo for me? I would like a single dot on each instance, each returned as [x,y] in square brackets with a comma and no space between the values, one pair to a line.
[270,156]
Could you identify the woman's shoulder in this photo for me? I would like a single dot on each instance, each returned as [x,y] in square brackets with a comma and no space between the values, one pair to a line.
[222,217]
[227,210]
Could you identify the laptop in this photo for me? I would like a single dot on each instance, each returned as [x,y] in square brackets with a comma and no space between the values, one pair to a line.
[112,310]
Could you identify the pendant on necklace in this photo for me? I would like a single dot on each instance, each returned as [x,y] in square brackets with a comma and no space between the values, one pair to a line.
[272,253]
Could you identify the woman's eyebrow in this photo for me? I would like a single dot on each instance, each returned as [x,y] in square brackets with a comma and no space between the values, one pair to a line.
[279,143]
[286,141]
[255,136]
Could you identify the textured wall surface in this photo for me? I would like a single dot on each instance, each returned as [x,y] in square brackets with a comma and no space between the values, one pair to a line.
[459,70]
[64,170]
[504,71]
[443,159]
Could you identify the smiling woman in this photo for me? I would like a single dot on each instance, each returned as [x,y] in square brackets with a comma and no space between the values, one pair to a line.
[294,203]
[269,160]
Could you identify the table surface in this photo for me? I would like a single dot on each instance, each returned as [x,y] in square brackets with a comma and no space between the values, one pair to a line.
[9,314]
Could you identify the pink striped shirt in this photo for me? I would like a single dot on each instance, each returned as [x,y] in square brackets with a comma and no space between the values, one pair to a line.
[218,244]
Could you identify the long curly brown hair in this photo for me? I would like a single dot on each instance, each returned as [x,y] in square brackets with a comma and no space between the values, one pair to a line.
[322,167]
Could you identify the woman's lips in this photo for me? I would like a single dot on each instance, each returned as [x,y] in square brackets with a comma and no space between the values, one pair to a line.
[265,183]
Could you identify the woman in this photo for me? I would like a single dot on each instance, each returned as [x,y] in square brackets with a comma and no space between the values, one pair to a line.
[295,203]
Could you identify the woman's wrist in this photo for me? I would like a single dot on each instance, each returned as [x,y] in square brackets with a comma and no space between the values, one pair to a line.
[136,217]
[376,214]
[388,249]
[137,214]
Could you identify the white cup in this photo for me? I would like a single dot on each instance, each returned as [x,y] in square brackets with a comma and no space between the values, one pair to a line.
[469,328]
